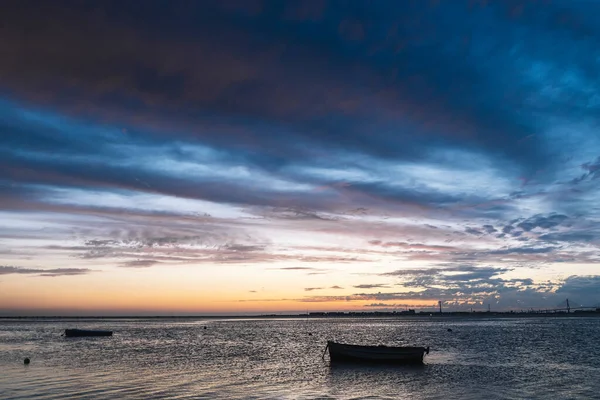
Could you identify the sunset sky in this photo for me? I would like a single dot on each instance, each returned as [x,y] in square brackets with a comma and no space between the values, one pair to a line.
[218,157]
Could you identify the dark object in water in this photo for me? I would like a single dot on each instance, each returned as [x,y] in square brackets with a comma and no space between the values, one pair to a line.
[449,330]
[26,361]
[375,354]
[86,333]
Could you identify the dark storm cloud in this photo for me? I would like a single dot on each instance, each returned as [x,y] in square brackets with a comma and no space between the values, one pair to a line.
[14,196]
[147,69]
[89,174]
[298,68]
[405,195]
[582,287]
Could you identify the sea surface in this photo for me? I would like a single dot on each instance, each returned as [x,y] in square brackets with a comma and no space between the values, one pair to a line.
[495,358]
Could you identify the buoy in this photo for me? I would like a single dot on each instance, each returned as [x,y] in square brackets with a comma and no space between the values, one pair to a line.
[204,327]
[309,333]
[449,330]
[26,361]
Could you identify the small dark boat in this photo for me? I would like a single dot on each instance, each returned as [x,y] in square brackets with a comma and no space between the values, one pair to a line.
[86,333]
[375,354]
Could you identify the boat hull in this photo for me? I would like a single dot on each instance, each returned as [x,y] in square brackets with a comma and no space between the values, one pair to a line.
[339,352]
[86,333]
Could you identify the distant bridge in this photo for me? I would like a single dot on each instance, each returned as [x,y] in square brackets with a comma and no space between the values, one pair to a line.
[564,307]
[567,309]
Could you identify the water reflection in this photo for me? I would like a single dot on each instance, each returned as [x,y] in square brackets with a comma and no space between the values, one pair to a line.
[401,381]
[370,370]
[277,359]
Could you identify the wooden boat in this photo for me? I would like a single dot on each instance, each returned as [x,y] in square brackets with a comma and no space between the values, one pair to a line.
[86,333]
[375,354]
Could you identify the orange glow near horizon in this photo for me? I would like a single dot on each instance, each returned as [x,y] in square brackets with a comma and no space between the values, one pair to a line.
[134,292]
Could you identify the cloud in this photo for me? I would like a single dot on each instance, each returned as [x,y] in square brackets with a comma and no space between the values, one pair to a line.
[370,286]
[397,305]
[524,250]
[134,138]
[51,272]
[242,248]
[139,263]
[582,290]
[444,269]
[158,86]
[297,214]
[460,283]
[336,287]
[592,171]
[503,294]
[489,229]
[411,246]
[65,272]
[573,236]
[539,221]
[310,289]
[465,286]
[473,231]
[229,85]
[212,247]
[507,229]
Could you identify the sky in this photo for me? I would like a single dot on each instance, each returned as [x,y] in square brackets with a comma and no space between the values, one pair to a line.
[223,157]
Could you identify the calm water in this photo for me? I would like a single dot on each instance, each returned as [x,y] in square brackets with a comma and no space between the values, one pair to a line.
[545,358]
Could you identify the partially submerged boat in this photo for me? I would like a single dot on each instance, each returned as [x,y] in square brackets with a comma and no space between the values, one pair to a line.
[375,354]
[86,333]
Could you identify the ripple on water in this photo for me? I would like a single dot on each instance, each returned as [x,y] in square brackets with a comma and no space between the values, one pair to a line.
[493,359]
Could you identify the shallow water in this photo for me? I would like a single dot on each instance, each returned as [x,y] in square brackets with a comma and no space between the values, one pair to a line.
[545,358]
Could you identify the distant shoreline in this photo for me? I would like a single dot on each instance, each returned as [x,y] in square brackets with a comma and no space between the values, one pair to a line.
[349,315]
